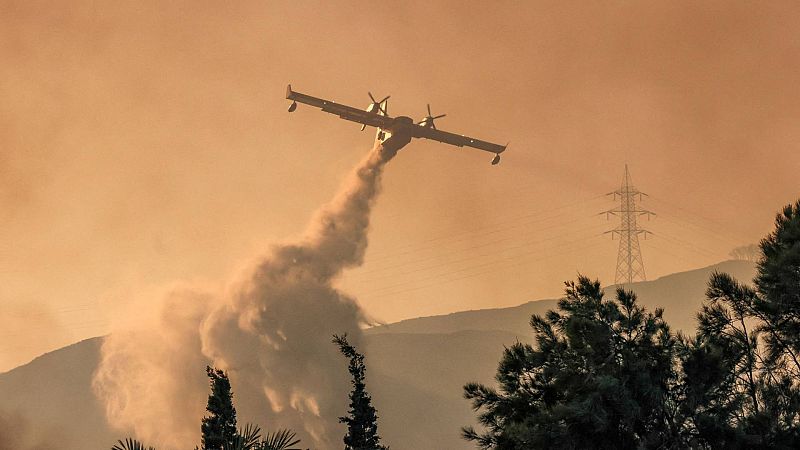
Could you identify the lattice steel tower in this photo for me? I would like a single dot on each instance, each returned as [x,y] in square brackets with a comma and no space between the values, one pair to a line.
[630,267]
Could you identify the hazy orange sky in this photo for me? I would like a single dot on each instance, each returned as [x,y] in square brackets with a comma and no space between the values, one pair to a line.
[146,143]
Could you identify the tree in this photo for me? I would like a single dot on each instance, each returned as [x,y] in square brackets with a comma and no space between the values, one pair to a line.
[742,389]
[599,377]
[130,444]
[750,252]
[219,427]
[609,375]
[249,438]
[742,369]
[362,422]
[778,283]
[722,370]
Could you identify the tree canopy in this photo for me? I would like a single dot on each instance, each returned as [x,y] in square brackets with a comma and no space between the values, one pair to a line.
[598,377]
[608,374]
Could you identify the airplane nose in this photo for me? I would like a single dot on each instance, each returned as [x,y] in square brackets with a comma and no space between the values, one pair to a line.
[496,159]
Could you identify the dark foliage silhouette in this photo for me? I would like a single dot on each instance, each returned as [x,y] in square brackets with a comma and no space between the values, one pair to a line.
[362,421]
[607,374]
[219,430]
[219,426]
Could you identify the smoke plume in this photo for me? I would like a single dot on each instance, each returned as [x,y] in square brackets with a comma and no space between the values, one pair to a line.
[270,329]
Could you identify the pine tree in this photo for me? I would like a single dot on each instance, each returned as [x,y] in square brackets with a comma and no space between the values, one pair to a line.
[778,283]
[219,427]
[362,422]
[599,377]
[742,371]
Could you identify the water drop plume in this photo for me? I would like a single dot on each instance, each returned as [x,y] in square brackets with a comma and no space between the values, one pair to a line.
[270,329]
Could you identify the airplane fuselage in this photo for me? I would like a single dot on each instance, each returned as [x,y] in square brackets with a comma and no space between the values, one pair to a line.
[398,135]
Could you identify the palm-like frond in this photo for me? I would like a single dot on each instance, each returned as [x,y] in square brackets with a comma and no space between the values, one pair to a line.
[250,435]
[279,440]
[247,438]
[130,444]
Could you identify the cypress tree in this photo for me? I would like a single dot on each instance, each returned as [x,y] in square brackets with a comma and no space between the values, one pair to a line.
[362,422]
[219,427]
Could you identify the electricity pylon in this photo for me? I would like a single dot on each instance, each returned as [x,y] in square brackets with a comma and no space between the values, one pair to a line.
[630,267]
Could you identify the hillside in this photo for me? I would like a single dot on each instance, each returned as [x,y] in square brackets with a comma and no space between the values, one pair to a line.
[52,395]
[415,369]
[679,294]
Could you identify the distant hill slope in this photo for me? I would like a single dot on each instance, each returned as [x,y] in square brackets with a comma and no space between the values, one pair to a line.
[513,320]
[53,394]
[416,369]
[679,294]
[416,381]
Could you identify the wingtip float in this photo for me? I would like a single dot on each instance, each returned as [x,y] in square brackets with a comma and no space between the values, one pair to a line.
[393,132]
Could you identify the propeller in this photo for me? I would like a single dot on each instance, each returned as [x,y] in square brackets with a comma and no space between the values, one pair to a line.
[428,120]
[376,104]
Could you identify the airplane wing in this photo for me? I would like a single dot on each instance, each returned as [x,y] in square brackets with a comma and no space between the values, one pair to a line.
[345,112]
[455,139]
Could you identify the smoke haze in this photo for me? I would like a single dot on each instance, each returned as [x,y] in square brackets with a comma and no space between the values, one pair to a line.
[270,329]
[18,320]
[135,135]
[15,434]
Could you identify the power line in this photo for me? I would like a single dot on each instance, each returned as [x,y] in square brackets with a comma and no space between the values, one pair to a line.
[494,266]
[714,228]
[447,236]
[701,251]
[494,244]
[501,252]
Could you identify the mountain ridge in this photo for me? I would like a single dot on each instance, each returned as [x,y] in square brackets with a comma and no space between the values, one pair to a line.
[497,318]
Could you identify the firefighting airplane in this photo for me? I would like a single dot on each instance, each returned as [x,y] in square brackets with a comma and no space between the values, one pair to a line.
[393,132]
